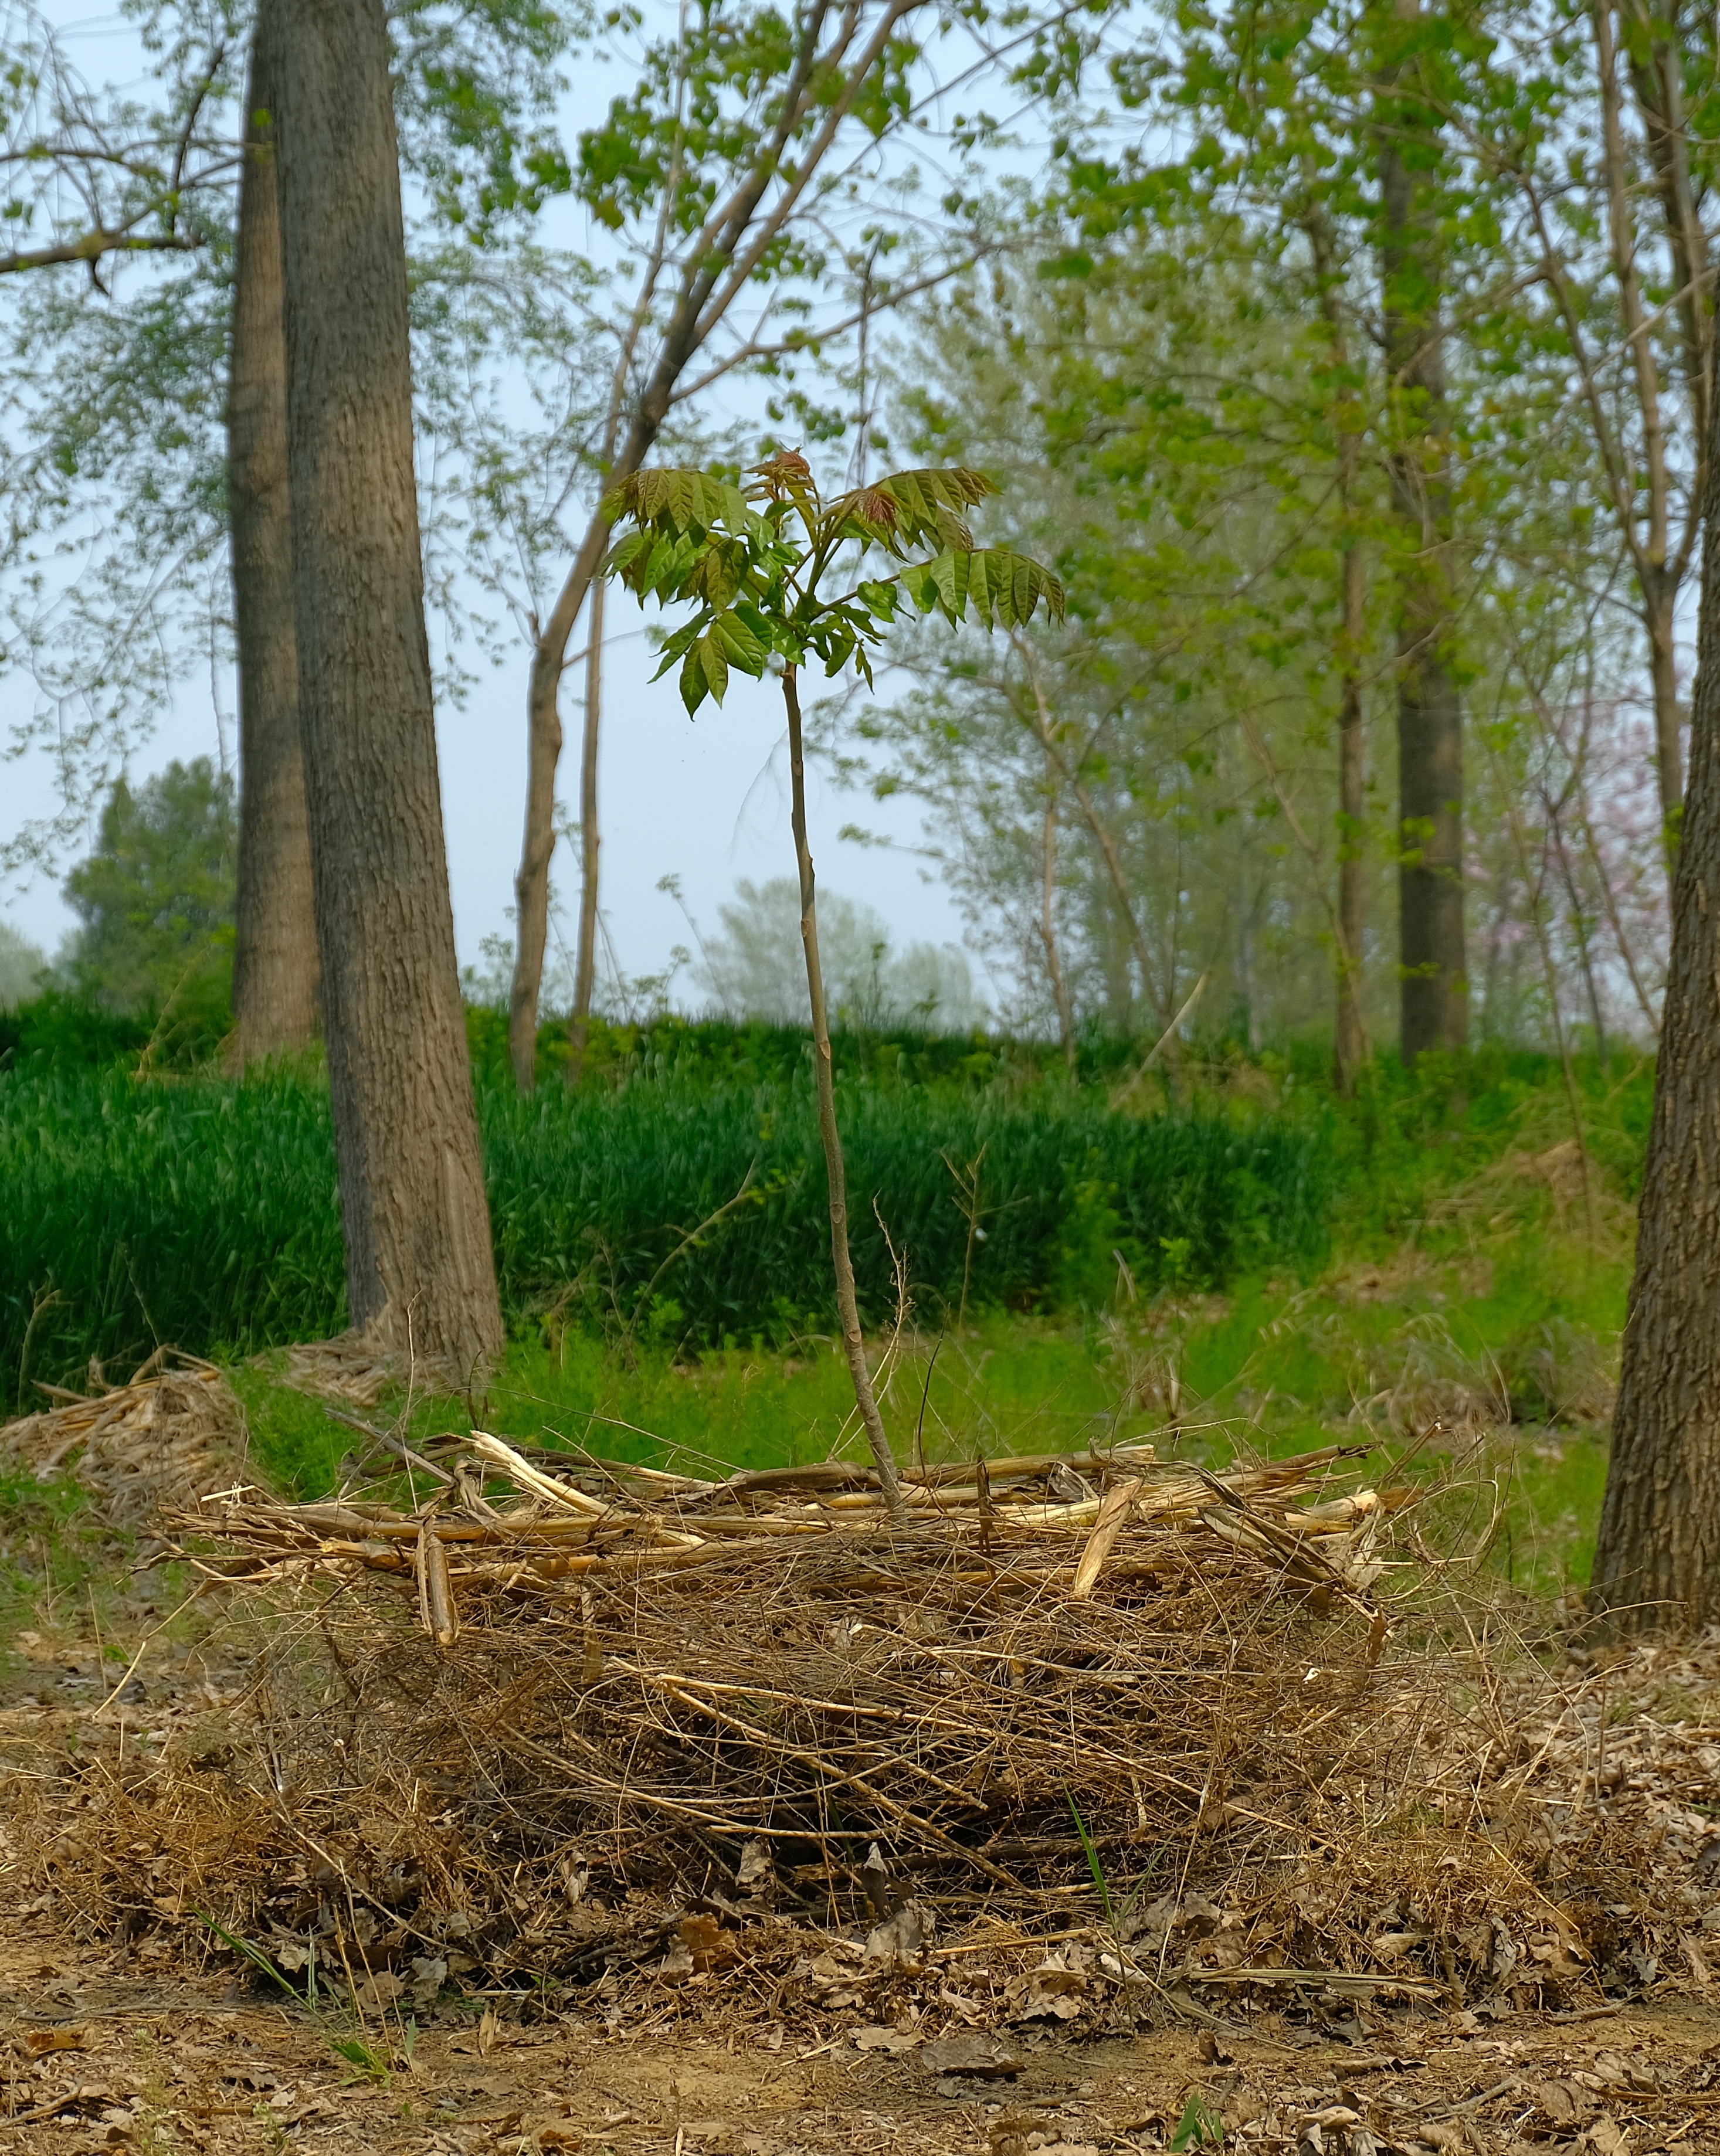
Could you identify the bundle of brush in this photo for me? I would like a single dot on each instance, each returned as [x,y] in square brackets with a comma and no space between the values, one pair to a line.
[1069,1732]
[1041,1657]
[558,1521]
[169,1432]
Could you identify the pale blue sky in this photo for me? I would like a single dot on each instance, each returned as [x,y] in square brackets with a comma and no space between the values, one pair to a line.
[705,801]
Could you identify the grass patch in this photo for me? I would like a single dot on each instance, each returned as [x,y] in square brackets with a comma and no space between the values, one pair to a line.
[1249,1264]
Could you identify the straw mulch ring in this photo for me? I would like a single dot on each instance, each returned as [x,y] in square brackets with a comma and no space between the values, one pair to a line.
[172,1433]
[1080,1741]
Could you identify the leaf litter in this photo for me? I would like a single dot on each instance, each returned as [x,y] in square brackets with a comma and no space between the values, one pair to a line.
[1095,1750]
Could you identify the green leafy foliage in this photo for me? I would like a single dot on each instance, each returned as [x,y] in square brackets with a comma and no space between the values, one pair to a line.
[115,580]
[1200,2126]
[156,900]
[753,560]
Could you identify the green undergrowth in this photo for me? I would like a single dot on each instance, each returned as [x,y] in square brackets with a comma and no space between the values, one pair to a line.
[1222,1259]
[686,1215]
[679,1205]
[1482,1376]
[63,1568]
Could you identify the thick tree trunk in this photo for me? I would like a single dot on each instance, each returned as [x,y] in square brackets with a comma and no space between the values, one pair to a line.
[1435,987]
[1657,1558]
[591,840]
[847,1304]
[274,969]
[1660,619]
[420,1270]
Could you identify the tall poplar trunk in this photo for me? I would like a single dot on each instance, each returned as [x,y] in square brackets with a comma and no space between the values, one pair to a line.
[275,969]
[591,841]
[1658,1556]
[1435,988]
[1350,1044]
[420,1270]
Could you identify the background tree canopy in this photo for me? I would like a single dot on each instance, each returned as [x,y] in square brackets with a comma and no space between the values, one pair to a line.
[155,899]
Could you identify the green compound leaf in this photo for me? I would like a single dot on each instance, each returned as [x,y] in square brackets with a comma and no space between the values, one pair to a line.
[995,583]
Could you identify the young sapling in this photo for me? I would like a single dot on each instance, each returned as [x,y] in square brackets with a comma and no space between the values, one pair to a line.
[754,561]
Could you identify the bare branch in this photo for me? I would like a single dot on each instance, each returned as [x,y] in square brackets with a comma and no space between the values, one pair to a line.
[91,246]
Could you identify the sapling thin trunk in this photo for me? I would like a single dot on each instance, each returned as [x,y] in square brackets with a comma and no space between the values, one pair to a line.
[847,1304]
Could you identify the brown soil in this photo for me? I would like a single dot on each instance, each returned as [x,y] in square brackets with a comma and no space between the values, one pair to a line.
[101,2054]
[144,2032]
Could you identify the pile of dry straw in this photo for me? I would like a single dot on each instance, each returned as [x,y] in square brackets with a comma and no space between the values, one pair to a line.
[1082,1738]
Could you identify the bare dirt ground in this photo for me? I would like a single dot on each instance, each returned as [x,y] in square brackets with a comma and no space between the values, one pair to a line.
[124,2027]
[101,2054]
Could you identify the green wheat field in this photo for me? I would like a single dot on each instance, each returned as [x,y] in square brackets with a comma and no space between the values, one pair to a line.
[1222,1258]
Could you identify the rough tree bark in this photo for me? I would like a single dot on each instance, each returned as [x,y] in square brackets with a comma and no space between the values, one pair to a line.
[1657,1556]
[275,987]
[420,1270]
[1435,988]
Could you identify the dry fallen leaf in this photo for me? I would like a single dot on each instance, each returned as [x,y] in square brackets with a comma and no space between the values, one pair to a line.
[701,1938]
[40,2041]
[900,1937]
[1563,2102]
[884,2039]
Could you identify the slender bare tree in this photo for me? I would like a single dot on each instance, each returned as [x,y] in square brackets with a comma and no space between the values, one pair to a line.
[705,256]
